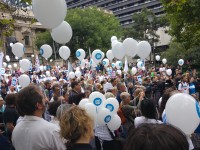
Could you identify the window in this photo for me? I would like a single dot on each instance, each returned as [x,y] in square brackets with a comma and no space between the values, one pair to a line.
[27,40]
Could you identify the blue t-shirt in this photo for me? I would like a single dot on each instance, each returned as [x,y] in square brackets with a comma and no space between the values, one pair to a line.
[192,89]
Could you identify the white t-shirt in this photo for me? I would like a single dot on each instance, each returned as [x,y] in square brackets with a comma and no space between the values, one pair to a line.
[35,133]
[140,120]
[183,87]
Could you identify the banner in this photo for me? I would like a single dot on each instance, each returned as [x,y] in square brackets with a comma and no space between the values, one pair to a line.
[1,59]
[37,63]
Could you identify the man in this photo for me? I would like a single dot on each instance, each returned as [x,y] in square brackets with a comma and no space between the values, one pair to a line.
[48,91]
[33,132]
[75,95]
[121,88]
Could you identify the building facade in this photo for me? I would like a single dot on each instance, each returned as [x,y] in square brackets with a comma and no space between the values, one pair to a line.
[123,9]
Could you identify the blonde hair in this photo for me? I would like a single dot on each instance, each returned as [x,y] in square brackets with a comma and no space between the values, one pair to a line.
[108,95]
[75,123]
[124,95]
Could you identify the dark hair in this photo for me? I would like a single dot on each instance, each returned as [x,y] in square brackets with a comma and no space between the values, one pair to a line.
[165,97]
[65,85]
[112,80]
[53,106]
[27,98]
[148,109]
[74,83]
[10,99]
[54,86]
[156,137]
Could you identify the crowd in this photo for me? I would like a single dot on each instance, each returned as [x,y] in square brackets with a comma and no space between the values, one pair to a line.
[46,115]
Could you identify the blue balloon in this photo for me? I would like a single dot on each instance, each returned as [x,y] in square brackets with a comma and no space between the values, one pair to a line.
[198,109]
[110,107]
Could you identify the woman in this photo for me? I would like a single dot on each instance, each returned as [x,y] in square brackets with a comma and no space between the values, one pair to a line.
[77,128]
[149,114]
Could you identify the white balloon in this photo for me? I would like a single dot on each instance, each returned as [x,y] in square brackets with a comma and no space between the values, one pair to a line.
[103,55]
[91,110]
[49,13]
[115,123]
[105,62]
[143,49]
[25,64]
[157,57]
[4,64]
[109,55]
[118,50]
[11,44]
[46,51]
[16,57]
[18,49]
[8,59]
[92,63]
[112,104]
[143,68]
[164,60]
[82,64]
[64,52]
[138,60]
[169,72]
[96,98]
[48,74]
[134,70]
[183,111]
[9,66]
[119,72]
[113,65]
[24,80]
[83,102]
[78,74]
[181,62]
[113,38]
[7,56]
[71,75]
[118,64]
[80,54]
[62,34]
[103,116]
[113,43]
[97,56]
[130,46]
[140,64]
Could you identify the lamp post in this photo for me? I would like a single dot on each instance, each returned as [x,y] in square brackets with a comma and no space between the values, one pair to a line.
[150,19]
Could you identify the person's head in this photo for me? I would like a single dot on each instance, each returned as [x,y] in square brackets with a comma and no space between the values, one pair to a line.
[156,137]
[62,108]
[65,86]
[121,87]
[1,102]
[56,88]
[113,81]
[148,109]
[125,97]
[53,106]
[137,92]
[30,101]
[191,79]
[47,84]
[75,125]
[76,86]
[12,88]
[10,99]
[108,95]
[89,87]
[66,96]
[3,88]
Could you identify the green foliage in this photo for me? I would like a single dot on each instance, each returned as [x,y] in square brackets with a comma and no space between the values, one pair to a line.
[184,16]
[92,28]
[142,28]
[43,38]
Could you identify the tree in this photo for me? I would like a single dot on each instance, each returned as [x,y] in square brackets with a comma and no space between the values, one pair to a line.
[92,28]
[142,28]
[184,16]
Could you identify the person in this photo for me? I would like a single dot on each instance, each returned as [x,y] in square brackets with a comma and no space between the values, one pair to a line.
[121,88]
[183,87]
[3,91]
[33,132]
[2,108]
[149,113]
[53,106]
[75,94]
[192,88]
[10,114]
[48,90]
[56,92]
[77,128]
[156,137]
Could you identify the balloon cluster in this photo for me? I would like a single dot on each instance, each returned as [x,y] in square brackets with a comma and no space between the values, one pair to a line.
[103,111]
